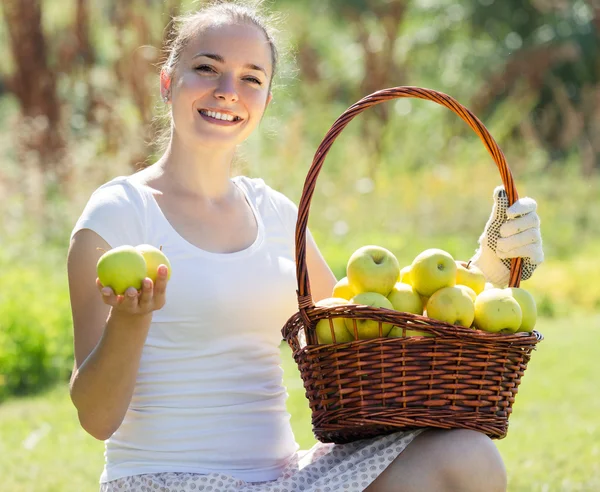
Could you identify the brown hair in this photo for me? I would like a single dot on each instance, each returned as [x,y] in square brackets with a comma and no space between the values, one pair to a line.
[185,27]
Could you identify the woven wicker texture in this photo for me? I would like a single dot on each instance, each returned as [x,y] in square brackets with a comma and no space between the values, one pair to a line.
[460,378]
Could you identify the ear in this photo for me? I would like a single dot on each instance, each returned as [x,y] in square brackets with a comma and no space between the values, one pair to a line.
[269,98]
[165,83]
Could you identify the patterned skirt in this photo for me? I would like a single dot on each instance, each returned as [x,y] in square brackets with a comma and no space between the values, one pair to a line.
[323,468]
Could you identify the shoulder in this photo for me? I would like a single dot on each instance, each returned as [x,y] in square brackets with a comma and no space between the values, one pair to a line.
[262,192]
[115,210]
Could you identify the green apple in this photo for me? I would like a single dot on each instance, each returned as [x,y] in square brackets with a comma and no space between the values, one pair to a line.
[471,276]
[372,269]
[496,310]
[396,332]
[154,258]
[452,305]
[120,268]
[323,328]
[405,275]
[488,286]
[528,307]
[405,299]
[343,290]
[432,270]
[369,328]
[468,290]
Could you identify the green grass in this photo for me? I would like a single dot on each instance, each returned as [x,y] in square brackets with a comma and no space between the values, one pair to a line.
[552,444]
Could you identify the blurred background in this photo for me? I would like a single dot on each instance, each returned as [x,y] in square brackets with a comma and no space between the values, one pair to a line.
[79,105]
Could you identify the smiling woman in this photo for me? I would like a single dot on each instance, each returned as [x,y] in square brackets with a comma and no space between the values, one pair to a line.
[187,391]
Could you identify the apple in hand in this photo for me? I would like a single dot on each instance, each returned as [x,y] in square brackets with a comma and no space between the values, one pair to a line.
[471,276]
[528,307]
[120,268]
[342,289]
[452,305]
[432,270]
[496,310]
[405,299]
[154,258]
[372,269]
[323,328]
[369,328]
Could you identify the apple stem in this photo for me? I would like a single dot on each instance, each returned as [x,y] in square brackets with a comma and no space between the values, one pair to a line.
[160,247]
[468,264]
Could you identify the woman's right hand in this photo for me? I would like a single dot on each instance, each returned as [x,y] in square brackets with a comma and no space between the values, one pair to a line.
[133,302]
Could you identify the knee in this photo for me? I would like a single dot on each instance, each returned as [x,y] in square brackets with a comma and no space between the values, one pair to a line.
[471,462]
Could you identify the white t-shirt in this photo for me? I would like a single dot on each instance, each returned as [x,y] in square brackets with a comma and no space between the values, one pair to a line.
[209,395]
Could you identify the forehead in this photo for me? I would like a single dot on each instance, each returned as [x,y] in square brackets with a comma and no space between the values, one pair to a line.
[237,43]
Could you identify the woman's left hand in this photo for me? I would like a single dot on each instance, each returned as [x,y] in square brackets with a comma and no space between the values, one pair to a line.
[511,232]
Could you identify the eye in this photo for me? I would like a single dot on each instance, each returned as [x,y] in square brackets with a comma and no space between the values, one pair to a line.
[205,68]
[253,80]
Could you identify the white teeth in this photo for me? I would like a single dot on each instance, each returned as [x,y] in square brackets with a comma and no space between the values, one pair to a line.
[218,116]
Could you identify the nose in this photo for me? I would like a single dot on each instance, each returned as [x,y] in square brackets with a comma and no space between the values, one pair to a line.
[225,89]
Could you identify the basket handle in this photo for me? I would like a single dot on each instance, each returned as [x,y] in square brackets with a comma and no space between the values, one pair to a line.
[304,296]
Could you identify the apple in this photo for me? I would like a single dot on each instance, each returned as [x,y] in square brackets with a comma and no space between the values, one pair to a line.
[528,308]
[154,257]
[452,305]
[496,310]
[343,290]
[372,269]
[405,299]
[323,327]
[369,328]
[405,275]
[432,270]
[396,332]
[488,286]
[471,276]
[120,268]
[468,290]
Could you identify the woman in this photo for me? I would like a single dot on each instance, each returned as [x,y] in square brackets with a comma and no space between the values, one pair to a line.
[187,393]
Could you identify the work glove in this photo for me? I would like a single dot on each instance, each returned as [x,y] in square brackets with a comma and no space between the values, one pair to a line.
[510,232]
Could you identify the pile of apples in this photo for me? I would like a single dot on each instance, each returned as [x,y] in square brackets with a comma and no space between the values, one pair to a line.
[127,266]
[434,285]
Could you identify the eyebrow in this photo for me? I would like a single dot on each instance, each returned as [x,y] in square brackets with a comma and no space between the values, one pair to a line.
[220,59]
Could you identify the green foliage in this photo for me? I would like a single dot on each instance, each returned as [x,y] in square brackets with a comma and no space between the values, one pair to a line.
[35,325]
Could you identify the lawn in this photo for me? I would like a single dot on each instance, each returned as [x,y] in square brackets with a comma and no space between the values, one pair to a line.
[553,443]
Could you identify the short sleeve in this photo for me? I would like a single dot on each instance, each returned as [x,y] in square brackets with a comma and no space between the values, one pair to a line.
[116,212]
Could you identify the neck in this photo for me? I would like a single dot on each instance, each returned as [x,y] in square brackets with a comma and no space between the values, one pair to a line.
[203,172]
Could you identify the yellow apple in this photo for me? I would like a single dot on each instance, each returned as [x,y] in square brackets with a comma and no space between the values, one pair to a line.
[488,286]
[342,289]
[528,307]
[496,310]
[432,270]
[404,298]
[154,258]
[405,275]
[452,305]
[471,276]
[323,328]
[469,291]
[120,268]
[372,269]
[369,328]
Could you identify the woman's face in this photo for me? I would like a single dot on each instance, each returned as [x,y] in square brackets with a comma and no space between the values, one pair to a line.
[220,87]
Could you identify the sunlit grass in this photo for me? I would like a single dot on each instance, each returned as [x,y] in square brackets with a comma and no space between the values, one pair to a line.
[552,444]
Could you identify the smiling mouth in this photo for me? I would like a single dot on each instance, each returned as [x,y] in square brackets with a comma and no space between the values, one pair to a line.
[220,117]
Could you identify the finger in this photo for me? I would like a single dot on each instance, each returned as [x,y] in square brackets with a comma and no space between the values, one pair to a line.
[521,207]
[129,299]
[533,252]
[507,245]
[160,286]
[145,299]
[520,224]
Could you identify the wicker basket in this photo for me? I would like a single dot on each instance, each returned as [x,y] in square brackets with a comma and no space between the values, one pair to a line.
[461,378]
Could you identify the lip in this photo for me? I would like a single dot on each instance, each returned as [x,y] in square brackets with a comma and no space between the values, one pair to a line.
[219,122]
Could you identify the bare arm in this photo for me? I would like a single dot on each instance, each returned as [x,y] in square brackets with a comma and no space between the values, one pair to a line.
[109,332]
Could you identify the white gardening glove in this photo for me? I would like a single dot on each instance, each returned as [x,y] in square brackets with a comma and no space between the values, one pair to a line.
[511,232]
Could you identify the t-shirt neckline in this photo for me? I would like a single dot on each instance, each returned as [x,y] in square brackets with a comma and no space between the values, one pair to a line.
[202,252]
